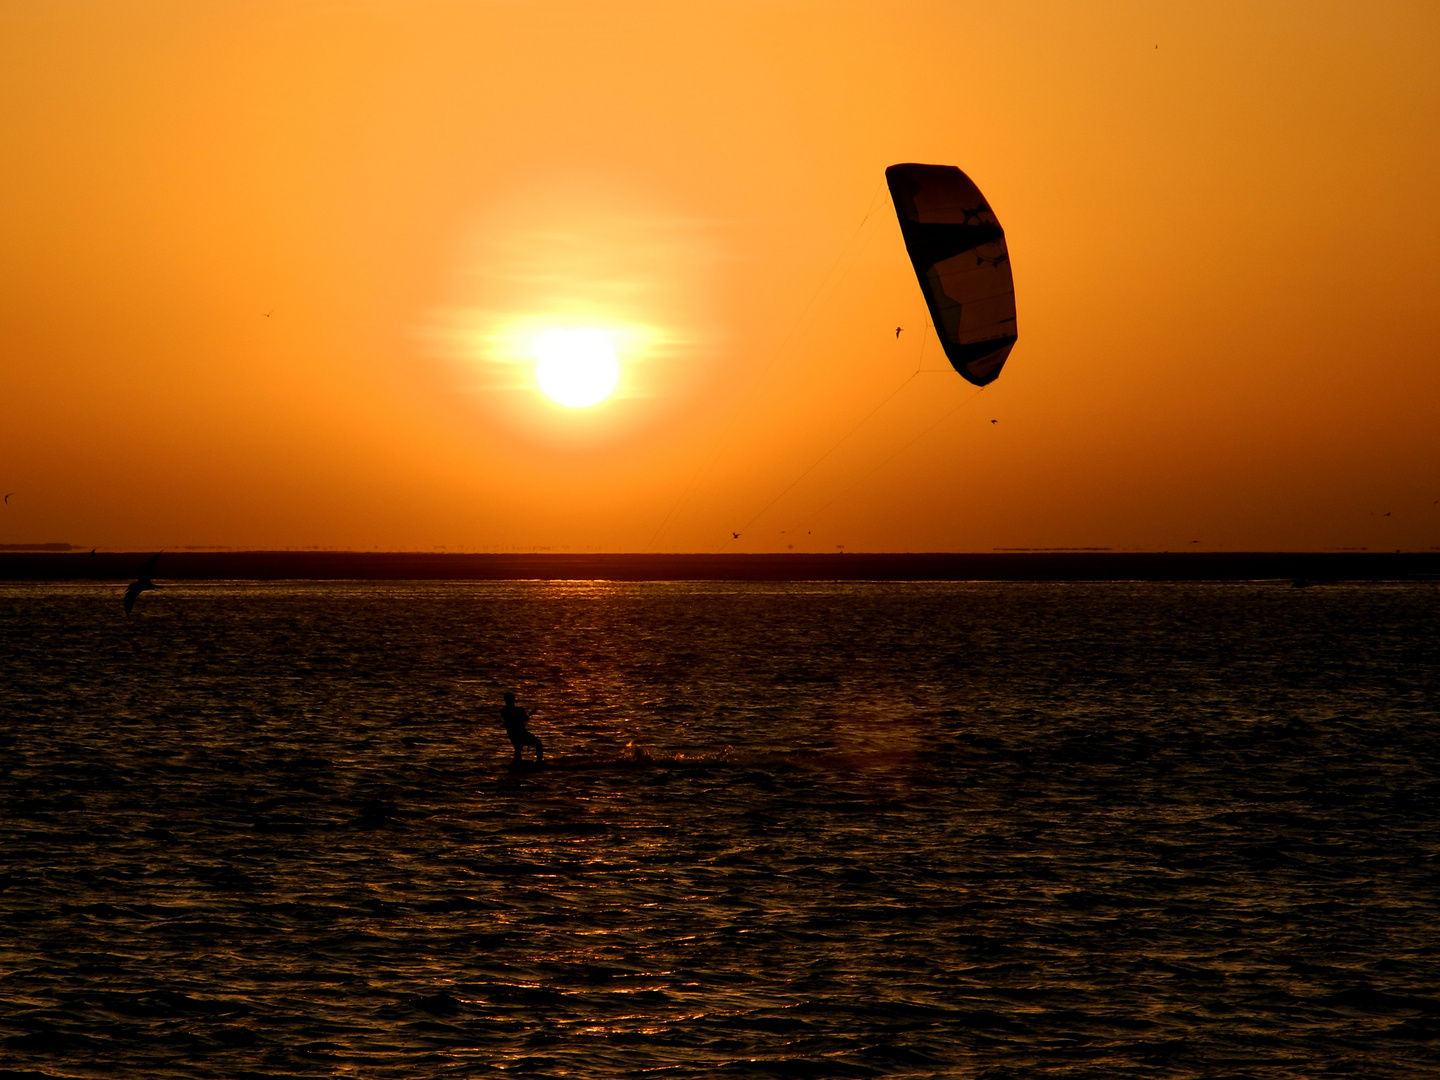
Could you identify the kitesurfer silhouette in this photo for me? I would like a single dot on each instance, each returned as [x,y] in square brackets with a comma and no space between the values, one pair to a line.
[143,584]
[515,720]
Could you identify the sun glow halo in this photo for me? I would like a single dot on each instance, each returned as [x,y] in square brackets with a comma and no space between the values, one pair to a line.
[575,367]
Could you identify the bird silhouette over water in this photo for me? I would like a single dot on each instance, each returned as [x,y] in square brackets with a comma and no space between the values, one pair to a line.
[142,582]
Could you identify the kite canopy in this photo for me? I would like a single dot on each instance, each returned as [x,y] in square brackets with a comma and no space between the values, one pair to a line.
[958,249]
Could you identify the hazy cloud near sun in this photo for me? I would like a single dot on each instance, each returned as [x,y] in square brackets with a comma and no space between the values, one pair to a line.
[578,256]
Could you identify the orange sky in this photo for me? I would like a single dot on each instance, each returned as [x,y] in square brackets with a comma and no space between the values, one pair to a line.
[1225,256]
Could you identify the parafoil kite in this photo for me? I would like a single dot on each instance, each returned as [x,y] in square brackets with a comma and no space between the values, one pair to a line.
[958,249]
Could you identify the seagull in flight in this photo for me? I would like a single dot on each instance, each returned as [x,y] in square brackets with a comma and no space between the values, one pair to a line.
[267,314]
[7,498]
[734,536]
[897,330]
[142,582]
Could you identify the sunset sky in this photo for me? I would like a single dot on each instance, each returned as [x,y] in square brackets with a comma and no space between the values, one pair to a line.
[274,273]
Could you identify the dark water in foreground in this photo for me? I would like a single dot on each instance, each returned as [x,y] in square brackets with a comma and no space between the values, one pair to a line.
[956,830]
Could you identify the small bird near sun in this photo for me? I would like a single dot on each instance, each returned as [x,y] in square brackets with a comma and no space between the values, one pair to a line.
[575,367]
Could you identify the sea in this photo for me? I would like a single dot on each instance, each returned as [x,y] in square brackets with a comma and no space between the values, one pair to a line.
[864,829]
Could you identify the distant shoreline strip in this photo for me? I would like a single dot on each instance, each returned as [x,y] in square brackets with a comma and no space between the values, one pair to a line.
[1072,565]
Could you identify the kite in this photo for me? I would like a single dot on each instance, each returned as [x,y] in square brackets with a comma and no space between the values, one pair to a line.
[958,249]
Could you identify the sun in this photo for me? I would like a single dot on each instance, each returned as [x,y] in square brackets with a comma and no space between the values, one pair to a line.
[575,367]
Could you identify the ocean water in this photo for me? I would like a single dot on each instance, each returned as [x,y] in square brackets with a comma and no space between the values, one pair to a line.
[786,830]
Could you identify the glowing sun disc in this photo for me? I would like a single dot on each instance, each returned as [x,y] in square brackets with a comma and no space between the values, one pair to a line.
[575,367]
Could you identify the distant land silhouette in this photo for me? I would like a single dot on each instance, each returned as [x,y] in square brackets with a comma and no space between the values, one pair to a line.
[72,565]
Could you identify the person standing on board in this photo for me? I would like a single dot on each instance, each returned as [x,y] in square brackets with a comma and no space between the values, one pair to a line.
[515,720]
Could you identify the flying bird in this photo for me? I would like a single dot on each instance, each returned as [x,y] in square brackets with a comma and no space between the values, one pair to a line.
[267,314]
[734,536]
[994,421]
[897,330]
[7,498]
[142,582]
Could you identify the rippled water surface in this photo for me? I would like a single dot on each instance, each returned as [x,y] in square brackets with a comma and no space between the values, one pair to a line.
[852,830]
